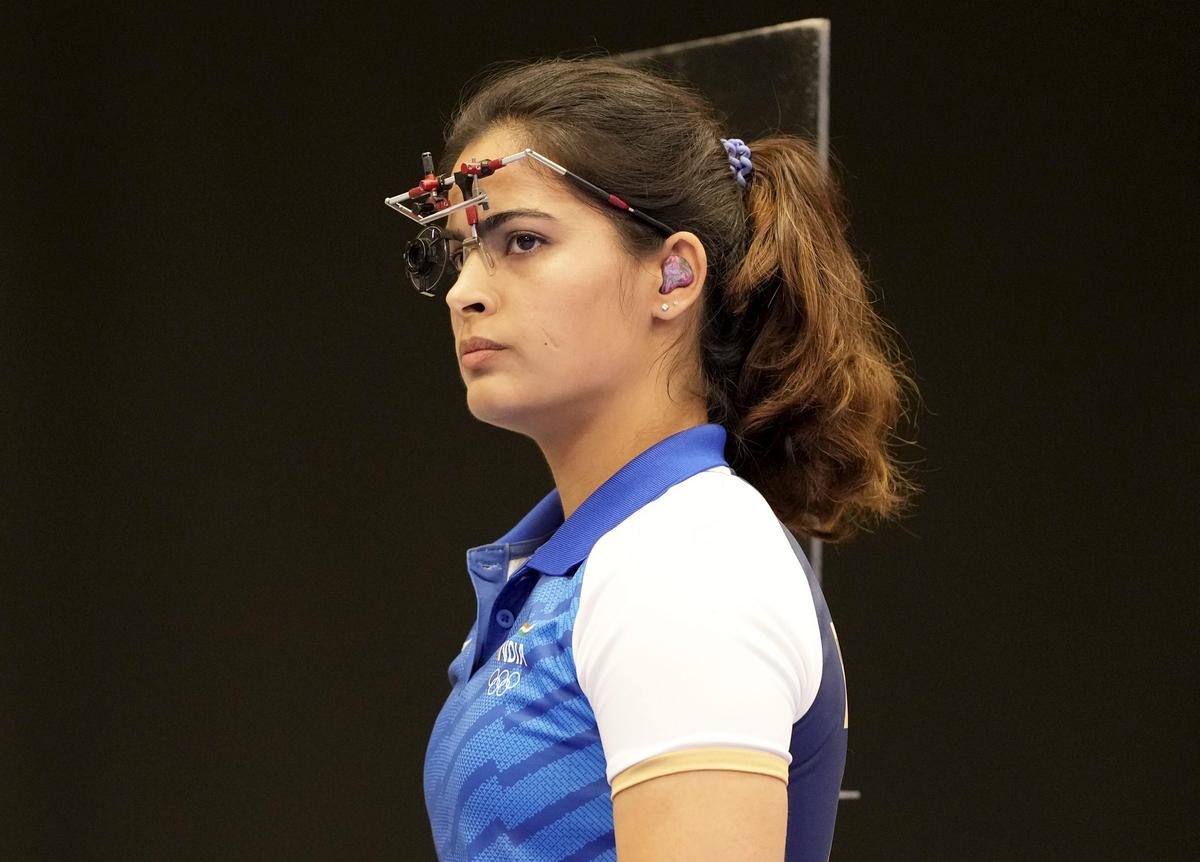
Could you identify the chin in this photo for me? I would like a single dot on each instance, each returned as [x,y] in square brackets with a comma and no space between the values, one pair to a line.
[492,405]
[500,407]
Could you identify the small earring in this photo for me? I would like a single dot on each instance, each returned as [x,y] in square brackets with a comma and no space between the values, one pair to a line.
[665,306]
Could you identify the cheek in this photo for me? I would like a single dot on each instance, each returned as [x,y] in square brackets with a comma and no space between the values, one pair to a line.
[582,290]
[579,330]
[580,354]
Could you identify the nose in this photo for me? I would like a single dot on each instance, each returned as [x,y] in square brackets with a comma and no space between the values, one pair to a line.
[472,286]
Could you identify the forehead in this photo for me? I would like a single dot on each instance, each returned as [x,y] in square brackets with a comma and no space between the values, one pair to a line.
[521,185]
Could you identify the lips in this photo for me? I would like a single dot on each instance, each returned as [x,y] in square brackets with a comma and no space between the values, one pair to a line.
[476,343]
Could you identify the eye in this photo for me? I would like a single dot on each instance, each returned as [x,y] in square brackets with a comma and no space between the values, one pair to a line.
[525,243]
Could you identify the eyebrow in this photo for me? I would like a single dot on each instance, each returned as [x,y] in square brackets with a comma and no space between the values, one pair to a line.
[495,220]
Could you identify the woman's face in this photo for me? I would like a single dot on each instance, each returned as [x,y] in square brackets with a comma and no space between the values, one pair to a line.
[571,351]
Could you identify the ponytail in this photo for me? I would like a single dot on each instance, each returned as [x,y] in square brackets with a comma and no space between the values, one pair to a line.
[801,370]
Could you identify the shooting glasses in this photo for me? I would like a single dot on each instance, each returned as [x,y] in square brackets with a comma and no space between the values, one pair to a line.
[435,258]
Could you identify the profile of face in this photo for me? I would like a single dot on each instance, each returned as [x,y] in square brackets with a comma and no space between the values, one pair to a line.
[573,349]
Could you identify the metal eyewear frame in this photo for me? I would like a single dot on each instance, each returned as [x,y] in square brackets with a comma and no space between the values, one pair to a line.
[425,257]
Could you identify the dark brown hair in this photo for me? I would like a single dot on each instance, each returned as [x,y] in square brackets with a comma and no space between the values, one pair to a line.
[796,364]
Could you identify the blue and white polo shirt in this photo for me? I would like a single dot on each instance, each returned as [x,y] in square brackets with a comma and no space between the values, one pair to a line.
[671,623]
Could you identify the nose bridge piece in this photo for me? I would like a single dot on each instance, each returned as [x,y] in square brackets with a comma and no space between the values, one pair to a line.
[464,291]
[478,243]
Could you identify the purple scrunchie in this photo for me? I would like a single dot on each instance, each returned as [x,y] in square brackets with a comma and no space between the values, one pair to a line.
[739,159]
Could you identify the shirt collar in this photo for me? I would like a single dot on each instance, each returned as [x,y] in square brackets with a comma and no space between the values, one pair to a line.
[643,479]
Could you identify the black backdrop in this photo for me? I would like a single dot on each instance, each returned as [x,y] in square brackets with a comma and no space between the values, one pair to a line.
[239,474]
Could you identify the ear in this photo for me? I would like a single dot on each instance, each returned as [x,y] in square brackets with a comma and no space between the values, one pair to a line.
[686,246]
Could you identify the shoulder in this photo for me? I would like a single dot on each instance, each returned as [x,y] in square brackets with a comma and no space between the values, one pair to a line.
[714,510]
[700,583]
[712,533]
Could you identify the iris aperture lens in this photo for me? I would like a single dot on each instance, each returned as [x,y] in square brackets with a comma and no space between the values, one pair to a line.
[425,261]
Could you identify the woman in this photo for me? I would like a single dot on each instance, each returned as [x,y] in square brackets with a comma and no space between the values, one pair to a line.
[653,672]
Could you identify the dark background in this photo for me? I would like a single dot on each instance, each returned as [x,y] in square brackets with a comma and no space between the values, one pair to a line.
[240,477]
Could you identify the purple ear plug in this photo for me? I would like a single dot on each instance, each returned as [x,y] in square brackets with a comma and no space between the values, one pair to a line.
[676,273]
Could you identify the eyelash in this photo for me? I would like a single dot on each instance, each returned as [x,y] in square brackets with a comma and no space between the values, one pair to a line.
[456,253]
[524,233]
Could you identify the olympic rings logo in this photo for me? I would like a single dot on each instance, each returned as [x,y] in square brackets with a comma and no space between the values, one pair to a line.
[501,680]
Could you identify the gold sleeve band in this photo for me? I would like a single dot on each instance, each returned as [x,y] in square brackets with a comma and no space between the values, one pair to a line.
[685,760]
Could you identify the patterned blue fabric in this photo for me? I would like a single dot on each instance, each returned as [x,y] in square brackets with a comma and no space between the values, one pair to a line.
[515,769]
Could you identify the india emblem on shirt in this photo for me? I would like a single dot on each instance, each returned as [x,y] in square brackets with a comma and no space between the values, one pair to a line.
[511,652]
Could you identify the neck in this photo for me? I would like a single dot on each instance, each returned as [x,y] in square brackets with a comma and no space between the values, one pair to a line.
[583,457]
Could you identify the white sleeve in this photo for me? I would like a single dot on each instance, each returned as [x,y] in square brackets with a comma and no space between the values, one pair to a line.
[696,629]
